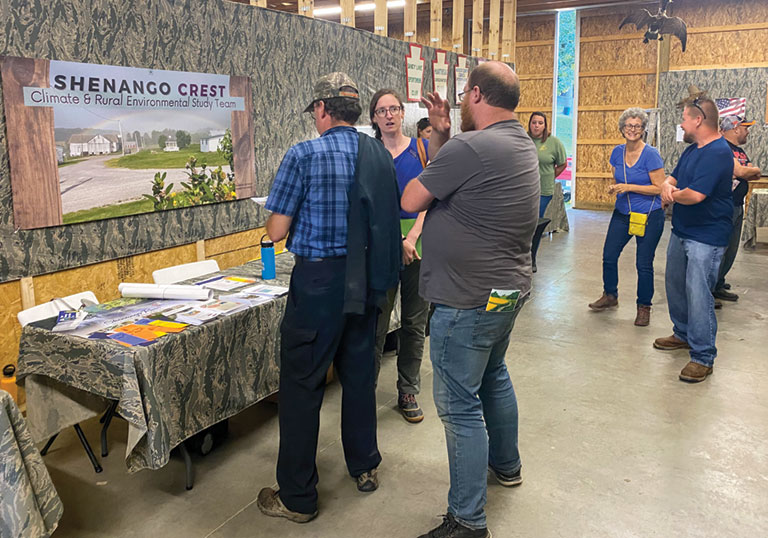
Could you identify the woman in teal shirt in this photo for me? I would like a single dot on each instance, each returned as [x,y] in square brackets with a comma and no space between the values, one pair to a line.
[552,157]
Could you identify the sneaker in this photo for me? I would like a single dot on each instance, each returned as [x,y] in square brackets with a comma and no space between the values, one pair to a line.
[643,317]
[409,407]
[670,342]
[453,529]
[695,372]
[507,480]
[604,302]
[270,504]
[368,481]
[725,295]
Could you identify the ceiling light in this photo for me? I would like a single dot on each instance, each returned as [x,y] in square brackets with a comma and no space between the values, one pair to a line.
[368,6]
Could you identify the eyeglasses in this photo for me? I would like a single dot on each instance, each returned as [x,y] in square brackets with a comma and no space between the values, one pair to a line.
[696,104]
[461,95]
[381,112]
[633,127]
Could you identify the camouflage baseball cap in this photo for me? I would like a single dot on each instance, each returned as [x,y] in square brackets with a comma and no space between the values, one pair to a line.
[336,84]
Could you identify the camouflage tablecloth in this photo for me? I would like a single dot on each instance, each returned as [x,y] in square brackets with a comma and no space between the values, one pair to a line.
[29,504]
[556,212]
[168,391]
[756,217]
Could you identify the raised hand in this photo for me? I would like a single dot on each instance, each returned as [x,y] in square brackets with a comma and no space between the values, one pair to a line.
[439,111]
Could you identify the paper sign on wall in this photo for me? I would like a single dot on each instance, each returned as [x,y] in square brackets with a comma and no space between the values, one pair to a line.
[440,73]
[461,74]
[414,72]
[679,133]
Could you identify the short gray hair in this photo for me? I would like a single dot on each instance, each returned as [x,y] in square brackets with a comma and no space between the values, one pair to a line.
[633,112]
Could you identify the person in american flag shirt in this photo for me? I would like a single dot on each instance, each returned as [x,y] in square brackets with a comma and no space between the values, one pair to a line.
[735,131]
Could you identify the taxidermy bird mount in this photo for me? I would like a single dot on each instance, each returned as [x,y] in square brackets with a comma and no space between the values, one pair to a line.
[658,24]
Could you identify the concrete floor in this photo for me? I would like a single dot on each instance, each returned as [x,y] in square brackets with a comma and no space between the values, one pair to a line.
[613,445]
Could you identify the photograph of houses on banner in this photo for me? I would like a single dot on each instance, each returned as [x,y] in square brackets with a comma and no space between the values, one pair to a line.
[132,140]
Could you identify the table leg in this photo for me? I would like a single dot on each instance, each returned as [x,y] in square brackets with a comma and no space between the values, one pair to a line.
[189,472]
[87,447]
[106,419]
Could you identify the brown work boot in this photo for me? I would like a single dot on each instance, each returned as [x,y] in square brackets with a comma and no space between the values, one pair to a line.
[604,302]
[270,504]
[643,317]
[695,372]
[670,342]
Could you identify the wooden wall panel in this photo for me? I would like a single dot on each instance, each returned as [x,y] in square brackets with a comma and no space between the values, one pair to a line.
[536,94]
[730,49]
[236,257]
[596,125]
[603,22]
[630,54]
[10,330]
[535,28]
[535,60]
[594,158]
[618,90]
[103,278]
[700,13]
[593,193]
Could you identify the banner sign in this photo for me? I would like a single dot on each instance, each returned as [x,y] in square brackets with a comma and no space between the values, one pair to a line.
[414,72]
[140,137]
[76,84]
[440,73]
[461,75]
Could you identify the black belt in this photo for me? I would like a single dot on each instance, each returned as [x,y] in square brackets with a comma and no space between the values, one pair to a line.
[306,259]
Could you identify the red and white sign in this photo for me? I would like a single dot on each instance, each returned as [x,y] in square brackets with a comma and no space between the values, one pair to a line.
[414,72]
[440,73]
[461,74]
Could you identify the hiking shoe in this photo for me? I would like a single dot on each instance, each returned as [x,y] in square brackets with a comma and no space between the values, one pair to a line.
[604,302]
[670,342]
[695,372]
[409,407]
[507,480]
[270,505]
[453,529]
[643,317]
[725,295]
[368,481]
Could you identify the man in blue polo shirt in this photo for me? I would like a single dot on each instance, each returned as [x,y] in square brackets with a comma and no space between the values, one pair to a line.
[700,188]
[312,197]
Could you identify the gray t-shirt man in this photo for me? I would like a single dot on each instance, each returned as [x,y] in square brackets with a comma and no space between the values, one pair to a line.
[477,233]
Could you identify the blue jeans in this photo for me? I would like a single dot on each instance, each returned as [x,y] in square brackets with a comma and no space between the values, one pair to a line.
[476,402]
[692,269]
[733,247]
[543,203]
[615,240]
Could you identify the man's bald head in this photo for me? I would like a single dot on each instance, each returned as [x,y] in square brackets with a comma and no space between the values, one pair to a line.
[499,85]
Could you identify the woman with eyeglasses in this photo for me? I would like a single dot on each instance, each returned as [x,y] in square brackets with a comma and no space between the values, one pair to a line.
[639,172]
[552,157]
[387,113]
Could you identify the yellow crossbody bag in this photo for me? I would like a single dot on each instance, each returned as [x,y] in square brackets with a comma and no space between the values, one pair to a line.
[637,221]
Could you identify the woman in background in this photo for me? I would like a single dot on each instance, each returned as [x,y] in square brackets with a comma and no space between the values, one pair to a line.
[387,113]
[639,172]
[552,157]
[423,128]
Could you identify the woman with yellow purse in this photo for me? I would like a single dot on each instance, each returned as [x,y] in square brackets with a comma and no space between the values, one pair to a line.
[639,172]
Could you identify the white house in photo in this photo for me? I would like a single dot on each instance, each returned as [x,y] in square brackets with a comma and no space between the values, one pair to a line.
[170,145]
[89,145]
[212,142]
[114,142]
[59,154]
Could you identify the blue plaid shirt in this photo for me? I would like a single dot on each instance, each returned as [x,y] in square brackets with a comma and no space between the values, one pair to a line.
[311,186]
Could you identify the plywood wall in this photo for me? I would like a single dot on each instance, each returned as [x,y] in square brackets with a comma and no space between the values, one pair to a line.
[616,71]
[535,56]
[722,34]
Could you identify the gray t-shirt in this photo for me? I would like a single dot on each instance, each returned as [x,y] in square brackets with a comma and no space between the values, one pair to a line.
[477,233]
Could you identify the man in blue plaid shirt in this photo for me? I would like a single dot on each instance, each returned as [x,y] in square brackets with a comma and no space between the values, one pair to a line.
[309,199]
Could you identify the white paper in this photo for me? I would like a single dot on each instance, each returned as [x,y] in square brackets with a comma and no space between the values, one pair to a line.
[261,200]
[266,290]
[228,283]
[679,133]
[165,291]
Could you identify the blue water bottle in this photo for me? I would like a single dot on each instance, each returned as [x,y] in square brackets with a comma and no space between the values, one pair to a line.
[267,259]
